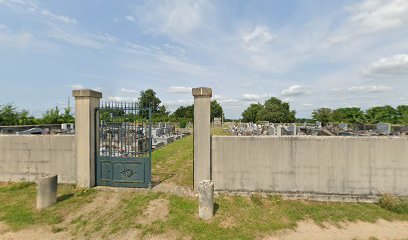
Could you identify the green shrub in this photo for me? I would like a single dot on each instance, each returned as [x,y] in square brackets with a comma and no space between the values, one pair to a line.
[393,203]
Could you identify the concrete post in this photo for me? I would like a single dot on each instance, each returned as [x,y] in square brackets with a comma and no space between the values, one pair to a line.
[86,101]
[206,199]
[202,148]
[47,191]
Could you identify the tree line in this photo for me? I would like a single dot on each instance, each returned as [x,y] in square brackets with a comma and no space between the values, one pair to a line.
[353,115]
[275,110]
[272,110]
[11,115]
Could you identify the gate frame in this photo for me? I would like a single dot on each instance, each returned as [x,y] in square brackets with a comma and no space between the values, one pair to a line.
[147,160]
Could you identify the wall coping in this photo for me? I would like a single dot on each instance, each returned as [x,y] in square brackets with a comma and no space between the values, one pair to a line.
[312,137]
[86,93]
[202,91]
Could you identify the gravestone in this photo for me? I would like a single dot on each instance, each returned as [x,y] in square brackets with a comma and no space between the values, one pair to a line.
[318,124]
[384,128]
[271,130]
[279,130]
[292,129]
[343,126]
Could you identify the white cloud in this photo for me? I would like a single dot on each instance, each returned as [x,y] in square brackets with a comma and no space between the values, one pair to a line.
[368,89]
[177,103]
[255,97]
[121,99]
[372,16]
[129,91]
[81,39]
[130,18]
[257,38]
[32,7]
[307,104]
[77,86]
[173,16]
[61,18]
[392,66]
[179,89]
[225,101]
[295,90]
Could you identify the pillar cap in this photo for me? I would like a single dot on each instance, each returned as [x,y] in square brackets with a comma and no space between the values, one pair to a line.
[202,91]
[86,93]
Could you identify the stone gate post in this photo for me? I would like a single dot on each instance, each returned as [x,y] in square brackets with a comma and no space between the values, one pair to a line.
[86,101]
[202,147]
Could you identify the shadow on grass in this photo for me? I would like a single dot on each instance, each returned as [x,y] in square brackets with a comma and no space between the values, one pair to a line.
[216,207]
[65,197]
[155,183]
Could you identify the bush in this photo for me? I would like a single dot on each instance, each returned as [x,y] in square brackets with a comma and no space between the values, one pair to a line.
[393,203]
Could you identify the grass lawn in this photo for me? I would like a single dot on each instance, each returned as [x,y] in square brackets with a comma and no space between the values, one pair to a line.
[236,217]
[174,162]
[94,214]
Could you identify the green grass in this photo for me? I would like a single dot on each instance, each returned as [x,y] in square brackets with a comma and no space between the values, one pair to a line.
[219,131]
[174,163]
[236,217]
[17,204]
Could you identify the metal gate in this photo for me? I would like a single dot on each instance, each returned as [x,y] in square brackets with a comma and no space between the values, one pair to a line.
[124,145]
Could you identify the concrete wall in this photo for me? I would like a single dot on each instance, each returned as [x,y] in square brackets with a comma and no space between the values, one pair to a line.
[23,158]
[333,165]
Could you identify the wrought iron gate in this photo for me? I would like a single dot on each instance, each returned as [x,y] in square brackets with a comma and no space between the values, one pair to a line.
[124,145]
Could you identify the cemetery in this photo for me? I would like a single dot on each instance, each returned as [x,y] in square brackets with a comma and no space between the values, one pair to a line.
[216,183]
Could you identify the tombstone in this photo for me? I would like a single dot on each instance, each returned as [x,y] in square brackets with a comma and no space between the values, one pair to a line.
[292,129]
[279,130]
[271,130]
[161,125]
[343,126]
[384,128]
[318,124]
[217,122]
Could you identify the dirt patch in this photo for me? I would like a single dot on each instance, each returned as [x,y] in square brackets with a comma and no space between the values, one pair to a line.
[360,230]
[157,209]
[37,233]
[228,222]
[172,235]
[103,202]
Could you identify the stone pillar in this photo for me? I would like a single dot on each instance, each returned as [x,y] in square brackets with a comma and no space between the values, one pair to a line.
[202,147]
[205,199]
[47,191]
[86,101]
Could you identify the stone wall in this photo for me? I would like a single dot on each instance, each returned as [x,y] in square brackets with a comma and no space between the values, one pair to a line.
[24,158]
[310,164]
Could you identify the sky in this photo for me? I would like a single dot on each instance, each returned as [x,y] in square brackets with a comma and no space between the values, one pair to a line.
[311,53]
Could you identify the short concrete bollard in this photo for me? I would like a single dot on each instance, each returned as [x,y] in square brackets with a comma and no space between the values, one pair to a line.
[47,191]
[205,199]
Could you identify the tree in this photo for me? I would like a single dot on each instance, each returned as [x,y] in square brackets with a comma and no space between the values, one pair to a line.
[184,112]
[323,115]
[386,114]
[275,110]
[148,99]
[26,119]
[216,110]
[250,114]
[403,114]
[67,116]
[51,116]
[349,115]
[9,114]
